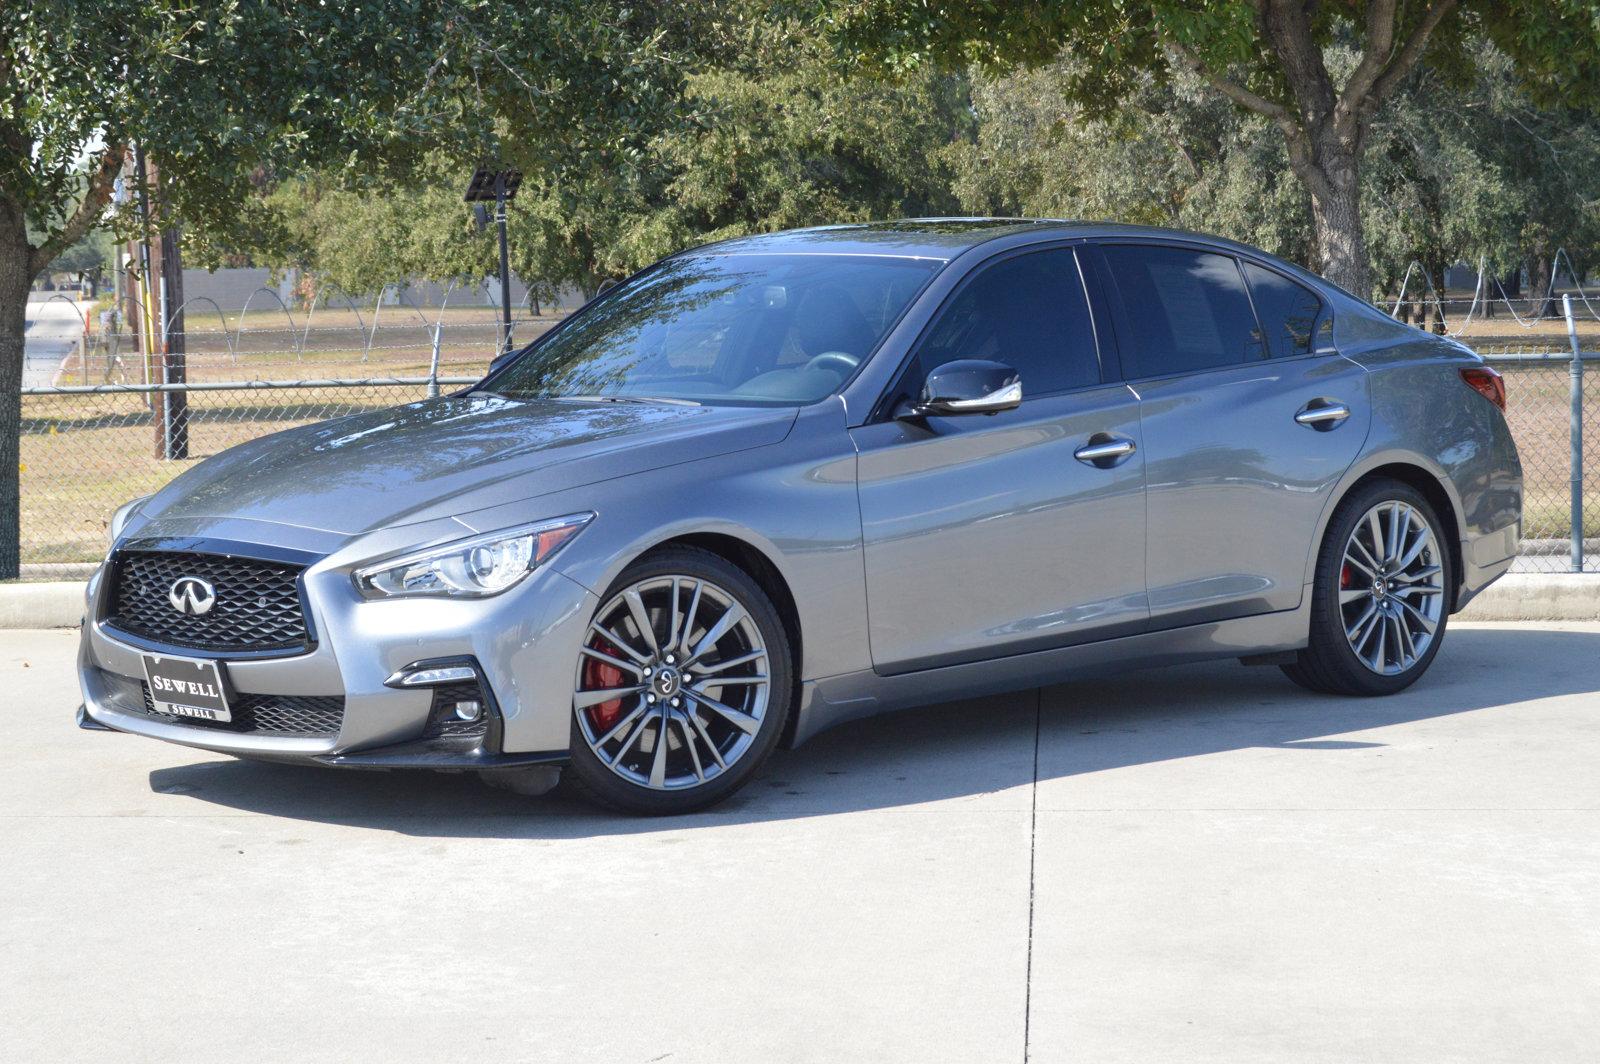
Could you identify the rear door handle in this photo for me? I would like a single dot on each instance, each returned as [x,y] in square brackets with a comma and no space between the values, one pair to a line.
[1105,450]
[1322,414]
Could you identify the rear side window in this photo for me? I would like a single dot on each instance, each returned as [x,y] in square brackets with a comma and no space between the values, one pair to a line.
[1028,312]
[1183,310]
[1288,311]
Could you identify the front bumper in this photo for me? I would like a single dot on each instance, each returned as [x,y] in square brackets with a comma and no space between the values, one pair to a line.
[523,644]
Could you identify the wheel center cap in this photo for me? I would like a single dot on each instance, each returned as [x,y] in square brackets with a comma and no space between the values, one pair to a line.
[1380,588]
[667,681]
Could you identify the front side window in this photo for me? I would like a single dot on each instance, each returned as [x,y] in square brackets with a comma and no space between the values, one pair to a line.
[1288,311]
[733,329]
[1028,312]
[1184,310]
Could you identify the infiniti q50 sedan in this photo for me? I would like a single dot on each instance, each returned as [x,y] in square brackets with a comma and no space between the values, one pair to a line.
[772,484]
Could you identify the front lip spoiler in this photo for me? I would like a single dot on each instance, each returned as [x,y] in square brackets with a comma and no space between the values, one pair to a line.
[88,723]
[439,754]
[464,754]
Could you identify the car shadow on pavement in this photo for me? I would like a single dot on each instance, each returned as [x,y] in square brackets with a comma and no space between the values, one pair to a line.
[957,751]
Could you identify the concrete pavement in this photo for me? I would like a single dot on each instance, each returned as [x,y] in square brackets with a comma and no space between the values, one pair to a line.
[54,324]
[1190,864]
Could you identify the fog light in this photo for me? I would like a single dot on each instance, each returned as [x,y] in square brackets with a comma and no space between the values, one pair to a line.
[429,677]
[468,710]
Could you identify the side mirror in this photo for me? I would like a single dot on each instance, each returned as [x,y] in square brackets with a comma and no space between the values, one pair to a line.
[969,386]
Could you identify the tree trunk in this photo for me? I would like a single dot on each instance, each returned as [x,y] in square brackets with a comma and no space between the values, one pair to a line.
[1336,212]
[1541,300]
[15,277]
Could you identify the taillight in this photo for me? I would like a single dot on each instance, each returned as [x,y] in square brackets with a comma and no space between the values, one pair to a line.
[1487,383]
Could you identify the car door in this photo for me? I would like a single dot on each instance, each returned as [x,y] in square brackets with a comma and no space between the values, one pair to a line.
[984,534]
[1247,425]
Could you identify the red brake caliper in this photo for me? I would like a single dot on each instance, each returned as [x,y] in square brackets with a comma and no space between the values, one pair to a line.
[599,675]
[1346,577]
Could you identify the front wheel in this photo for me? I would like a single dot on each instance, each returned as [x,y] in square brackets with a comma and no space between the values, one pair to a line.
[682,686]
[1380,601]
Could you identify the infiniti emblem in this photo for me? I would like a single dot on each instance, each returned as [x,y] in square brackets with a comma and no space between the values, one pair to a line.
[192,595]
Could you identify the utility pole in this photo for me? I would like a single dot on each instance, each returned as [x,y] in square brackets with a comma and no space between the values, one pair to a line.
[162,270]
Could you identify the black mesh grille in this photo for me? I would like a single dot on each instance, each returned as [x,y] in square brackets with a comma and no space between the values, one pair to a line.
[287,715]
[442,719]
[257,605]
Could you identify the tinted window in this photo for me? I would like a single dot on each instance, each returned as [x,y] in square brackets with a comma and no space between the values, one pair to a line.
[1288,311]
[1028,312]
[737,329]
[1185,310]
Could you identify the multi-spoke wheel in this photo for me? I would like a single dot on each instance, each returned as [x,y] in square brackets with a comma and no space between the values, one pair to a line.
[681,686]
[1382,595]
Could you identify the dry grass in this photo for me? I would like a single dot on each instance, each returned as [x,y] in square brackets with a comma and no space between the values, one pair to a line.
[83,455]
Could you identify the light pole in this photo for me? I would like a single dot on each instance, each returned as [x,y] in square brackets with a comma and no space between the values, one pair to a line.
[499,186]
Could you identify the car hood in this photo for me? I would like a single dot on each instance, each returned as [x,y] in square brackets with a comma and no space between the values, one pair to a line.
[450,456]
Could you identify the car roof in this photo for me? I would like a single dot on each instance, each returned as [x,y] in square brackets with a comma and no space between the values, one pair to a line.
[935,238]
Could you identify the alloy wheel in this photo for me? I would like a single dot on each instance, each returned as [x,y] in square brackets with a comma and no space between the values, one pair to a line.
[1391,588]
[672,684]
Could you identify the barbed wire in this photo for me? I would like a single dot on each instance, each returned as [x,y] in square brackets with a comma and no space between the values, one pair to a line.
[1484,277]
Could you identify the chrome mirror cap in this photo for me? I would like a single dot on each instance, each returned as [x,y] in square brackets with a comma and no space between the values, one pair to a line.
[969,386]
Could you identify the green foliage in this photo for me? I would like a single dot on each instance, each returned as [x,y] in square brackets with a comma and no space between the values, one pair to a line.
[1553,45]
[224,95]
[1171,155]
[1320,73]
[786,137]
[764,130]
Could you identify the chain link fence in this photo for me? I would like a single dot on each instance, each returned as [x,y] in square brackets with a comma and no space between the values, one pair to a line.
[102,427]
[104,420]
[1554,413]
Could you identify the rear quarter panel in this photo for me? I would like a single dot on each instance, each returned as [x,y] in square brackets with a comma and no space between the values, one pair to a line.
[1424,415]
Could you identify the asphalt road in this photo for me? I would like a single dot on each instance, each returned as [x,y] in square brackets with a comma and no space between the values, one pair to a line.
[1195,864]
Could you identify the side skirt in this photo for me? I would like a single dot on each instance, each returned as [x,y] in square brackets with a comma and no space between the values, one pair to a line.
[834,700]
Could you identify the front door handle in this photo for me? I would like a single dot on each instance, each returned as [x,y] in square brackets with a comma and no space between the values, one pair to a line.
[1323,414]
[1105,450]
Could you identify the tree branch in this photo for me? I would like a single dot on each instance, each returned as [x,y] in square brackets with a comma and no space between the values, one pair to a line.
[1299,149]
[1374,55]
[95,198]
[1412,51]
[1240,95]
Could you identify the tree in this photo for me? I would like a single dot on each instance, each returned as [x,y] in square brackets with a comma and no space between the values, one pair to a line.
[223,96]
[1170,154]
[1269,57]
[758,126]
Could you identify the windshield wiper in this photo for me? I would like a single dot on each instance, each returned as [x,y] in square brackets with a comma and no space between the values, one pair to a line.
[645,399]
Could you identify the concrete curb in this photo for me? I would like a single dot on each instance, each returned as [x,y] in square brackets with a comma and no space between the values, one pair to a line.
[1515,597]
[53,604]
[1538,597]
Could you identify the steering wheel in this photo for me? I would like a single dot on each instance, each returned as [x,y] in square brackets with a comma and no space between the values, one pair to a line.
[844,364]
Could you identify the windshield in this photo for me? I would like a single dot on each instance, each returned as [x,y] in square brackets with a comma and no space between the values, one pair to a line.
[743,329]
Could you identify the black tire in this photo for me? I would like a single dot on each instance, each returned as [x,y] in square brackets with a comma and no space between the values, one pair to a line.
[1328,664]
[590,778]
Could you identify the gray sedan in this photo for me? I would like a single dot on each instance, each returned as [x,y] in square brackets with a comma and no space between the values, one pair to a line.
[773,484]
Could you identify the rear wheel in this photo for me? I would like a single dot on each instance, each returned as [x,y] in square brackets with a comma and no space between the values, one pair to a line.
[682,685]
[1380,601]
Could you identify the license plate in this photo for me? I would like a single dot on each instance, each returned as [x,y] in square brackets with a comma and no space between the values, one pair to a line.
[185,687]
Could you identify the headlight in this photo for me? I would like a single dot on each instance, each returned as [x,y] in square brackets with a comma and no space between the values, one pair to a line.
[119,520]
[471,568]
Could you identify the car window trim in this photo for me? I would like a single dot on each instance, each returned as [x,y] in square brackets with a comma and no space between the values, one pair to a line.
[1316,322]
[881,408]
[1117,308]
